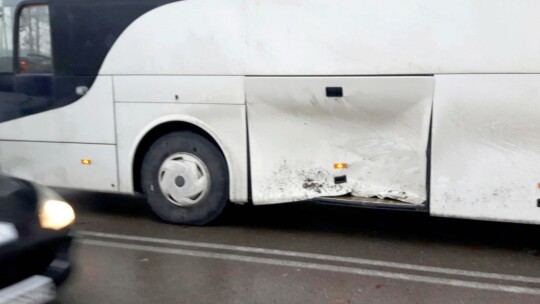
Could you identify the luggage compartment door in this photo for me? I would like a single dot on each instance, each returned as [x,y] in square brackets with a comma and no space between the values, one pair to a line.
[301,127]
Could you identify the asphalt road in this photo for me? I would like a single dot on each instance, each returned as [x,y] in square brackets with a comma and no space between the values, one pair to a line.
[296,253]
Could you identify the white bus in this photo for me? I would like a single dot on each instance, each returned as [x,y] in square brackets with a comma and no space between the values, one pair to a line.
[427,105]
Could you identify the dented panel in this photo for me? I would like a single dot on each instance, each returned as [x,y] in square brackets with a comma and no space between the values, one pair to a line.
[486,147]
[379,128]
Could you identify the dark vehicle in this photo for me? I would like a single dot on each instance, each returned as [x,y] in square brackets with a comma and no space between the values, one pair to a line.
[34,241]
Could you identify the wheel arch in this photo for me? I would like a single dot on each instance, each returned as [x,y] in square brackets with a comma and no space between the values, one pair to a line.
[163,126]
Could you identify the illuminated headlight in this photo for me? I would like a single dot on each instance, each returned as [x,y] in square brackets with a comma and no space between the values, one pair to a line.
[54,212]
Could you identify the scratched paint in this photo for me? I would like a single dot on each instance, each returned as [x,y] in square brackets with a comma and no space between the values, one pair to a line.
[309,181]
[297,134]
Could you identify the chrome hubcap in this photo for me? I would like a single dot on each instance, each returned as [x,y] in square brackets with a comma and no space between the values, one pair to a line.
[184,179]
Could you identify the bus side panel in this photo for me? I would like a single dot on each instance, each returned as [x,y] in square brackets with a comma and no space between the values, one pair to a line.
[180,89]
[205,37]
[48,147]
[297,132]
[218,107]
[486,147]
[311,37]
[59,164]
[75,123]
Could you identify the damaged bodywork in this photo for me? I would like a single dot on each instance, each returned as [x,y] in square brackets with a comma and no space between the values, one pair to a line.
[379,128]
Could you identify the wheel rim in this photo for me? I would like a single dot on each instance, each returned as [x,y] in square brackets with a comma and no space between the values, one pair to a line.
[184,179]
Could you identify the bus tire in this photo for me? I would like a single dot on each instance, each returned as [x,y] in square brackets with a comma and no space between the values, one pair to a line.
[185,178]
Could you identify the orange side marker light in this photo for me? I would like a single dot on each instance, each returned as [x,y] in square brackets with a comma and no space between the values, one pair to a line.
[340,166]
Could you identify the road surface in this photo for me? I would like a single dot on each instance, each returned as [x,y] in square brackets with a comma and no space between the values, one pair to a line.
[296,253]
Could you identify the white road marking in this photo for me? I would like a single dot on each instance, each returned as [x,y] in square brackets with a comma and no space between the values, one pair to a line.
[321,257]
[317,266]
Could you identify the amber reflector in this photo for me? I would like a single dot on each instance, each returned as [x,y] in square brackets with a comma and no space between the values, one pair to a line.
[340,166]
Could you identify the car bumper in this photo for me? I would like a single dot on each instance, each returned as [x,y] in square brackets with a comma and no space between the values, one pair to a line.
[49,257]
[60,268]
[35,290]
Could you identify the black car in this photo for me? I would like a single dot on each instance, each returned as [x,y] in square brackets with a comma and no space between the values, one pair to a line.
[34,241]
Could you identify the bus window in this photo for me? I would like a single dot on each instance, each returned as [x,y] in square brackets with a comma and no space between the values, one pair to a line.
[7,13]
[35,40]
[26,84]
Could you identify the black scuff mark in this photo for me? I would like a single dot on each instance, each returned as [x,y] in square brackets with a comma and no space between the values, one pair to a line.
[312,185]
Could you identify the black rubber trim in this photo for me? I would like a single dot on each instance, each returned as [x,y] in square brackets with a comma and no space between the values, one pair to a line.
[369,205]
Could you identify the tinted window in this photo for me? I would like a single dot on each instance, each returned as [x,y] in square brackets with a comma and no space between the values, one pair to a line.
[35,40]
[7,13]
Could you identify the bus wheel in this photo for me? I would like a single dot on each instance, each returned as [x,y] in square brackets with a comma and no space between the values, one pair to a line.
[185,178]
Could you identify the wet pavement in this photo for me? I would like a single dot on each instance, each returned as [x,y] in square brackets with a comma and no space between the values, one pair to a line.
[296,253]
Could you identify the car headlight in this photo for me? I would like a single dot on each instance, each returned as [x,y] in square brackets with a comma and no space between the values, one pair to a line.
[54,212]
